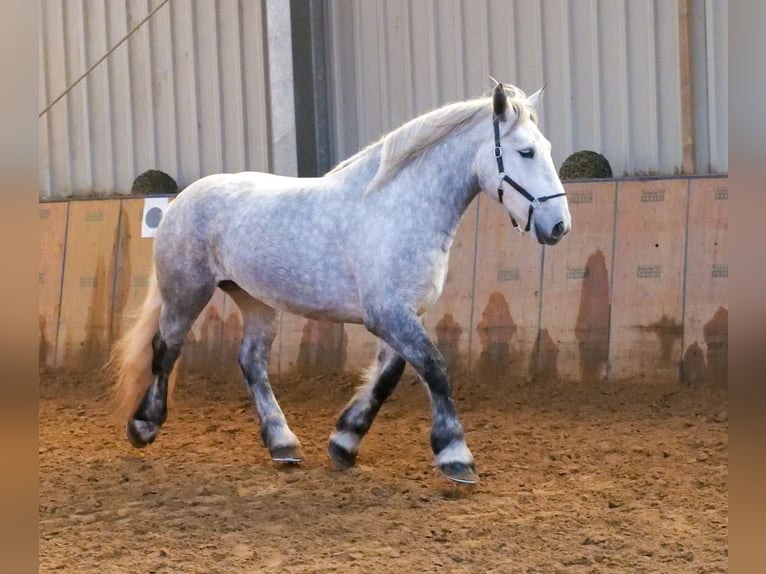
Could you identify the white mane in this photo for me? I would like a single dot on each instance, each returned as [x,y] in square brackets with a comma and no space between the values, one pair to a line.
[409,141]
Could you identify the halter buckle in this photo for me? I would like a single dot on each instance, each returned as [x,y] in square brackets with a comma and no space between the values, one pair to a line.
[498,152]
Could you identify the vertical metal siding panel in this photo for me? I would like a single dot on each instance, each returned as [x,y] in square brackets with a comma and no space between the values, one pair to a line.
[255,86]
[280,89]
[501,39]
[384,94]
[209,122]
[614,89]
[529,61]
[242,71]
[343,103]
[121,100]
[368,73]
[717,26]
[359,94]
[100,131]
[231,83]
[583,52]
[79,145]
[161,32]
[139,47]
[43,123]
[184,73]
[474,34]
[556,104]
[668,85]
[699,64]
[398,62]
[219,91]
[422,56]
[642,109]
[449,51]
[61,180]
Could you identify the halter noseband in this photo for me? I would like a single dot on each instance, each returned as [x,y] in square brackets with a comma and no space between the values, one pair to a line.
[534,202]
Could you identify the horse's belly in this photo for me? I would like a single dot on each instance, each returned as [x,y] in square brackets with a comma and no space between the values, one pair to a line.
[323,294]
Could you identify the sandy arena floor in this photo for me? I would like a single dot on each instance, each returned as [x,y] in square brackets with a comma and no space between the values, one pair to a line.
[575,479]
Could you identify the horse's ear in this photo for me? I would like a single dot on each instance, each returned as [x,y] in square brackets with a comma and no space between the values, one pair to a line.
[499,100]
[534,99]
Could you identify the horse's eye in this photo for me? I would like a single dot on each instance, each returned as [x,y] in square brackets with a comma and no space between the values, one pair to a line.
[527,153]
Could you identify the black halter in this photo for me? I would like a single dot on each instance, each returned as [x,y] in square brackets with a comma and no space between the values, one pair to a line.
[534,202]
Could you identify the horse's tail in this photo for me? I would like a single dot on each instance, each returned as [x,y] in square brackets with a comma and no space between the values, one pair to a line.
[131,358]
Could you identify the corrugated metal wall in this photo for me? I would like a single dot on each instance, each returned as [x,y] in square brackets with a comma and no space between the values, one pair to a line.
[187,93]
[710,67]
[611,68]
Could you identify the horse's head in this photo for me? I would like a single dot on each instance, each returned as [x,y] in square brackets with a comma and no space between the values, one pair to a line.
[516,168]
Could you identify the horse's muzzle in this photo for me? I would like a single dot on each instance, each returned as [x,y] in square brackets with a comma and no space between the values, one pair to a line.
[554,236]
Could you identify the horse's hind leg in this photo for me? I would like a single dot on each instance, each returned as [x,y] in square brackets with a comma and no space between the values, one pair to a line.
[176,318]
[357,417]
[257,335]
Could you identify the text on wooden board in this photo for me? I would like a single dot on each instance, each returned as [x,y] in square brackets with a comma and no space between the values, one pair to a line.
[720,270]
[648,271]
[581,196]
[94,216]
[511,274]
[652,195]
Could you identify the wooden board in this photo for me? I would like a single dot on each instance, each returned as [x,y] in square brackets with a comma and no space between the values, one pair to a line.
[706,316]
[53,225]
[506,302]
[574,326]
[647,292]
[311,347]
[231,337]
[361,349]
[134,265]
[202,352]
[448,320]
[86,298]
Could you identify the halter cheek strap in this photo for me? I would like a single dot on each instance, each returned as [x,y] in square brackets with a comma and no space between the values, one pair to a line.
[534,202]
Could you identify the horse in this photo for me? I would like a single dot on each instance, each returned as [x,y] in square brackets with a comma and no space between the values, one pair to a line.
[366,243]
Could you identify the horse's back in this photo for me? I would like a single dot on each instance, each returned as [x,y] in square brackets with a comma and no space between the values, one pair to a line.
[281,239]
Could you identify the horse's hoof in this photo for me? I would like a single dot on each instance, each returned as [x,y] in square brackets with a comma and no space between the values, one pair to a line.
[342,458]
[287,454]
[459,472]
[140,433]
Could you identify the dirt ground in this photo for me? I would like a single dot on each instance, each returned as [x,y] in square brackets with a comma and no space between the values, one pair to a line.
[575,478]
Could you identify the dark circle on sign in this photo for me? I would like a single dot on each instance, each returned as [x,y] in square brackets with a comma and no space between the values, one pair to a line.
[153,217]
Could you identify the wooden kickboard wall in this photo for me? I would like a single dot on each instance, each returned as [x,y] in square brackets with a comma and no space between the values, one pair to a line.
[639,289]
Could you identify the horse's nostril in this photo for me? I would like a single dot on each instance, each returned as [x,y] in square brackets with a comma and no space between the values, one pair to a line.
[558,230]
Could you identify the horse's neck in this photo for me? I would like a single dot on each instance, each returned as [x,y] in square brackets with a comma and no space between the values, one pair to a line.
[443,180]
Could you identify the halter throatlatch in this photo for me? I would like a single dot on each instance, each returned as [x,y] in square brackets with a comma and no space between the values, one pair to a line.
[534,202]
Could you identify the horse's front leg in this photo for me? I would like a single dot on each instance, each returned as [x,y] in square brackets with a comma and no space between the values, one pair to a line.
[402,330]
[258,334]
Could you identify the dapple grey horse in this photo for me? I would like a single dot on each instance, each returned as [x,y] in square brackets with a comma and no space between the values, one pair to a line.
[367,243]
